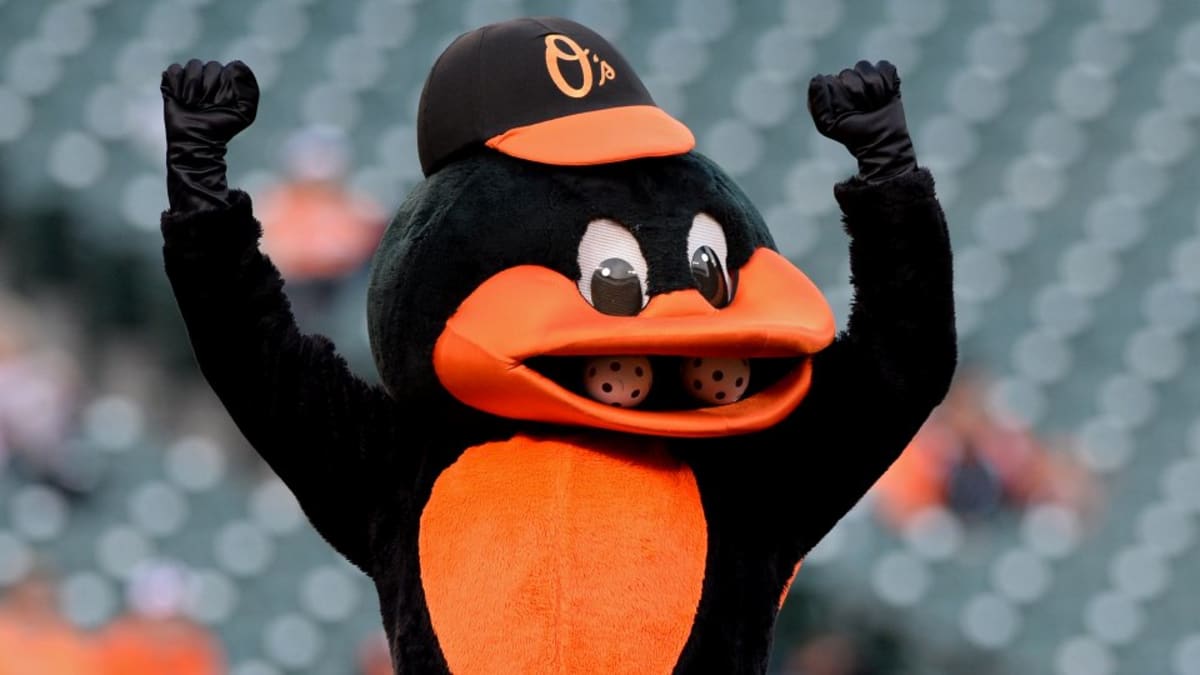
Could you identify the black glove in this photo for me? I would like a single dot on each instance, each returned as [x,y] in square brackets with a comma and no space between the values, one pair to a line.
[861,109]
[204,106]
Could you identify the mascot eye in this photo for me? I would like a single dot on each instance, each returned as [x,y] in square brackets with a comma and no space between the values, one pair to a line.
[710,276]
[708,251]
[616,288]
[612,269]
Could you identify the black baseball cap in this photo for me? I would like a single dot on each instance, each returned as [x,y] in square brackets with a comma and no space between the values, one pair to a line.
[543,89]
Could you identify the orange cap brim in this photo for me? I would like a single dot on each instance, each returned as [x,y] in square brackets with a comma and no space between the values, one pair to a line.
[598,137]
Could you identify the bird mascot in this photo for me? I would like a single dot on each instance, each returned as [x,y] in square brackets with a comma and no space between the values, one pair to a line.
[611,417]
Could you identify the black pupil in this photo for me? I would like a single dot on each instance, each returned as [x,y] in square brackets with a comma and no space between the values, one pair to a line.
[616,288]
[710,276]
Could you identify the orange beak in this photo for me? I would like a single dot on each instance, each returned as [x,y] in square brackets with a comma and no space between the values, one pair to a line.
[531,311]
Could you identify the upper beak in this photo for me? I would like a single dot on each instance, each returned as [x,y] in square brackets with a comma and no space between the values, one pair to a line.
[685,303]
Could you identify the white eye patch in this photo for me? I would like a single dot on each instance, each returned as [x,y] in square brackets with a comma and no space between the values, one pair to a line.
[612,269]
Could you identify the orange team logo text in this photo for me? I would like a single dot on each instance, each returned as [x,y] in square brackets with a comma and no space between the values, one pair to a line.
[560,48]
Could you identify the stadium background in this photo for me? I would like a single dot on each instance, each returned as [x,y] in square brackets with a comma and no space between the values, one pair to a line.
[1062,134]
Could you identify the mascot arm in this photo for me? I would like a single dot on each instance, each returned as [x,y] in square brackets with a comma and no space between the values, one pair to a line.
[876,384]
[290,394]
[873,388]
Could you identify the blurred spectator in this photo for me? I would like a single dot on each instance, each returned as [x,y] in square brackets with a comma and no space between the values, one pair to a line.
[35,638]
[967,461]
[40,388]
[827,654]
[374,658]
[154,637]
[315,229]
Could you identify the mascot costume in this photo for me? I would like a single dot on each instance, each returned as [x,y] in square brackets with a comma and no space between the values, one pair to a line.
[612,419]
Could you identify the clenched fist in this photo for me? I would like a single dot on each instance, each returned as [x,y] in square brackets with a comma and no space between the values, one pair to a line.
[204,106]
[861,109]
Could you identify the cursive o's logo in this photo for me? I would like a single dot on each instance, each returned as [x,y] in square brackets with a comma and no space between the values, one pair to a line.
[562,49]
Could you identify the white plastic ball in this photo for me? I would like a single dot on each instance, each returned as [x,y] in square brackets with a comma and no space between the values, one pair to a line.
[717,381]
[619,381]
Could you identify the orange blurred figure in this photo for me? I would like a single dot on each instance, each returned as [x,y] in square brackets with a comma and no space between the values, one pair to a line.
[374,658]
[827,654]
[914,483]
[965,460]
[314,227]
[35,639]
[154,637]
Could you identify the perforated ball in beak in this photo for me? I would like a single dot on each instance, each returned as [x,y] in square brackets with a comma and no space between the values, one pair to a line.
[717,381]
[620,381]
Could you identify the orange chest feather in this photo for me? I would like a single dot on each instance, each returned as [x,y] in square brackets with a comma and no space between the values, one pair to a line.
[542,556]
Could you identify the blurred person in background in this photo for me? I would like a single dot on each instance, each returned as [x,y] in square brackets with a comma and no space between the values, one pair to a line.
[154,637]
[374,657]
[35,638]
[40,399]
[830,653]
[318,232]
[966,460]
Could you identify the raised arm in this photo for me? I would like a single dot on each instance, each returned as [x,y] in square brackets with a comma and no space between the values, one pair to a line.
[291,395]
[876,384]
